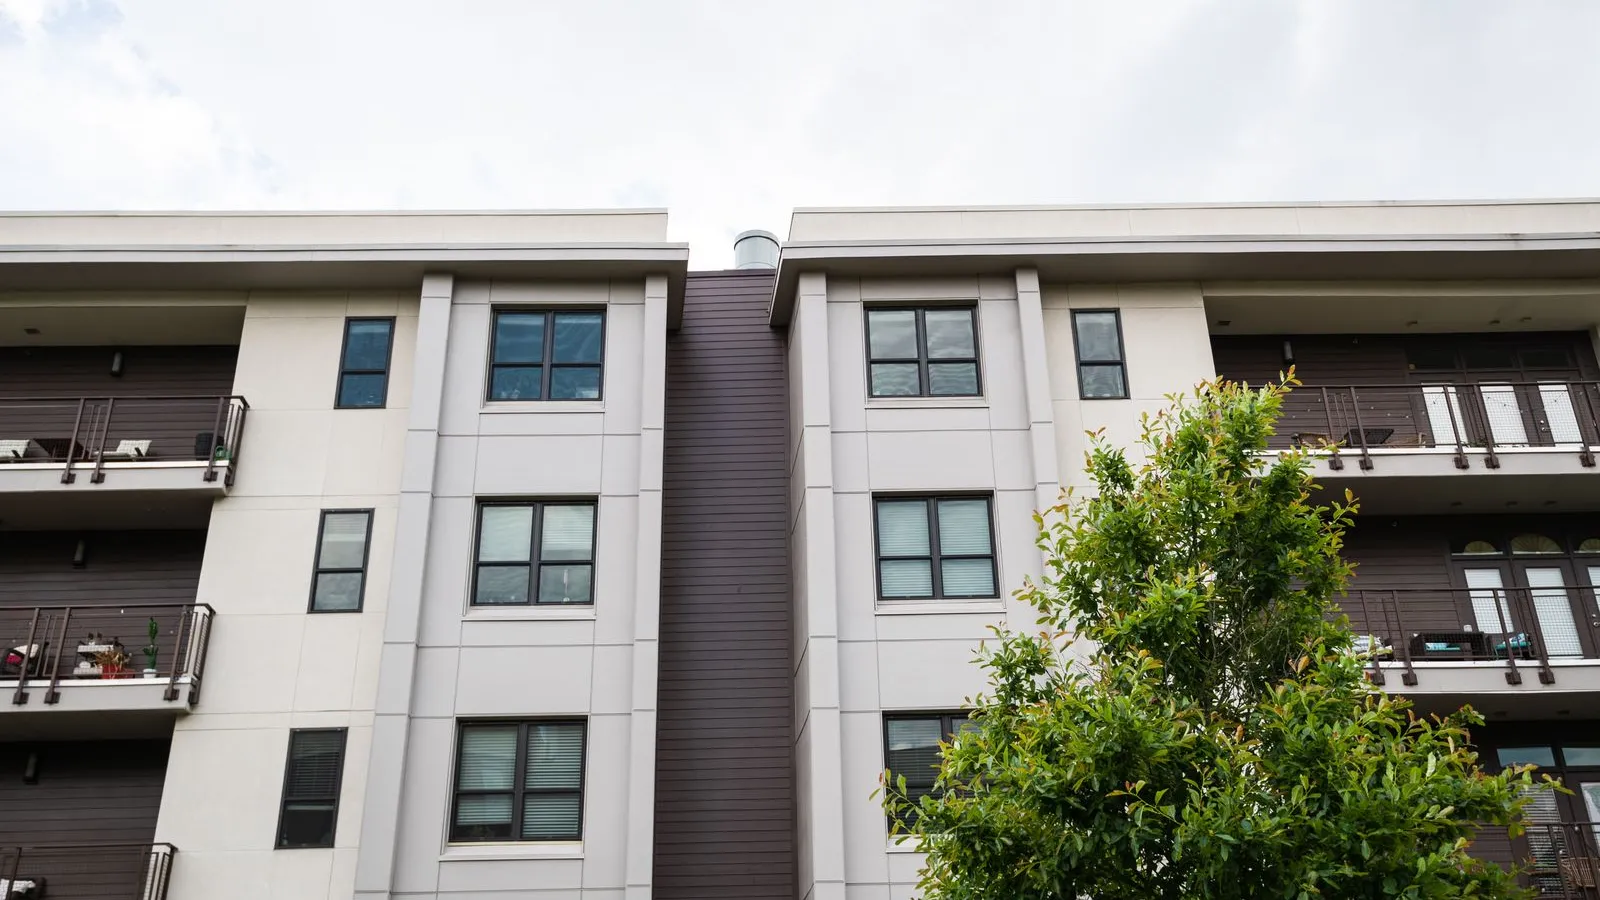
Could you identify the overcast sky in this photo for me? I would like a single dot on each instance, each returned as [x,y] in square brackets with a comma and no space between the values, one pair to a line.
[732,113]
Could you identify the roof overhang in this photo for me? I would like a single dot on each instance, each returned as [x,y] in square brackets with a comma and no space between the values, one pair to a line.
[1201,258]
[345,266]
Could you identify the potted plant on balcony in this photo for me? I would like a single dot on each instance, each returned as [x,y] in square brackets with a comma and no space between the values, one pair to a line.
[113,662]
[152,649]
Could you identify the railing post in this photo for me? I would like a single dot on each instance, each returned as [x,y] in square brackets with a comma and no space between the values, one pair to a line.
[1409,677]
[1490,459]
[21,695]
[1376,675]
[178,652]
[216,431]
[1501,601]
[1334,462]
[1361,432]
[237,441]
[52,695]
[1585,391]
[66,474]
[99,473]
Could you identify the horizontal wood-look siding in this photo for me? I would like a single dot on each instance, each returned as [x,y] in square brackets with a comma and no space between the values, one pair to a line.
[122,570]
[70,373]
[724,817]
[88,792]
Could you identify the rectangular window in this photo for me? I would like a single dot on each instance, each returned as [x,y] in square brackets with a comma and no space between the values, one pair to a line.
[922,352]
[911,746]
[364,364]
[935,547]
[311,782]
[535,552]
[340,577]
[519,781]
[547,355]
[1097,337]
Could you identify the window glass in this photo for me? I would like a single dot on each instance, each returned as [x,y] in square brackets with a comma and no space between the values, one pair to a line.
[340,571]
[520,383]
[1478,547]
[547,355]
[568,532]
[955,562]
[519,337]
[1546,358]
[1488,357]
[892,333]
[1580,756]
[506,534]
[952,379]
[344,540]
[1097,337]
[1589,545]
[578,336]
[903,528]
[542,802]
[1431,357]
[1102,382]
[364,364]
[362,391]
[1524,756]
[1534,543]
[311,783]
[963,527]
[575,383]
[516,566]
[895,380]
[950,334]
[367,344]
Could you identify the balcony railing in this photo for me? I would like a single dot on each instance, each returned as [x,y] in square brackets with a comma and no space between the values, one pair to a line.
[1561,861]
[1370,421]
[47,646]
[1520,629]
[86,871]
[85,434]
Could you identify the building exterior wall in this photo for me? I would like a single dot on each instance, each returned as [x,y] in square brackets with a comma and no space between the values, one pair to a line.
[271,666]
[724,815]
[447,661]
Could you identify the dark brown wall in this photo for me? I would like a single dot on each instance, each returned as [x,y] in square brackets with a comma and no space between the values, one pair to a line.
[70,373]
[87,792]
[1340,359]
[724,820]
[122,571]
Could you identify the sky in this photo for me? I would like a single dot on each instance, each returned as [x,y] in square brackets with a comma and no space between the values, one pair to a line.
[731,113]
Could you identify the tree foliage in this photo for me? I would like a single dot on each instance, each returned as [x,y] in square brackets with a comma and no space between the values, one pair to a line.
[1192,721]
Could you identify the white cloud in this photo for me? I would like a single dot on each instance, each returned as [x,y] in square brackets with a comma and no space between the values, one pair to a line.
[733,113]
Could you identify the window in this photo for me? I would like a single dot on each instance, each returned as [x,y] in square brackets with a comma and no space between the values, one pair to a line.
[912,748]
[546,355]
[311,788]
[535,552]
[519,781]
[1535,544]
[364,363]
[1102,372]
[935,547]
[924,352]
[340,577]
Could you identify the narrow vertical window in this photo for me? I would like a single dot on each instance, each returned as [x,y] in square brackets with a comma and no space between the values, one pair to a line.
[1102,371]
[547,355]
[340,576]
[922,352]
[935,548]
[535,552]
[912,751]
[311,781]
[364,363]
[519,781]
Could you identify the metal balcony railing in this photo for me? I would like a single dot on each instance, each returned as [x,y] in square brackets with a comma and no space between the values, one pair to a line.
[1370,421]
[1520,629]
[84,434]
[1562,860]
[86,871]
[48,645]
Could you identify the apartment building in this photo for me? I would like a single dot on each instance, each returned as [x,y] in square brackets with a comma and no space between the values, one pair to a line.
[270,563]
[452,555]
[945,366]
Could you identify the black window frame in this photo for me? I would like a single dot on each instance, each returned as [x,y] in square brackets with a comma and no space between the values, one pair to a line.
[1120,363]
[924,387]
[947,732]
[535,563]
[547,363]
[519,777]
[344,369]
[318,569]
[284,798]
[935,557]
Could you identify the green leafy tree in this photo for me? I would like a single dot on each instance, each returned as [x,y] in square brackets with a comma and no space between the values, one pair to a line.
[1192,721]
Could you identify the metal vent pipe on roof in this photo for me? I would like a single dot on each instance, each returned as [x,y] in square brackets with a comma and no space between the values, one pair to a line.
[755,250]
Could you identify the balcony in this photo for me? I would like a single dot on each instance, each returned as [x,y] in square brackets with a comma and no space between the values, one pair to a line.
[1391,443]
[92,659]
[186,444]
[1559,860]
[1452,644]
[87,871]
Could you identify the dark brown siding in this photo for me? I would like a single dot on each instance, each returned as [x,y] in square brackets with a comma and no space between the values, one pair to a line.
[71,373]
[1339,359]
[88,792]
[724,821]
[121,572]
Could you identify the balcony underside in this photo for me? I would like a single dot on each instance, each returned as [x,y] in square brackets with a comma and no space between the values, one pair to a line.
[1432,480]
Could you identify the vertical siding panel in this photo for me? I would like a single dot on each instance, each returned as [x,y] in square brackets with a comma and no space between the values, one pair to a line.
[724,817]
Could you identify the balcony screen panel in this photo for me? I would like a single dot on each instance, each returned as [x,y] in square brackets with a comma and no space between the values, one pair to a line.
[1559,413]
[1553,605]
[1501,404]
